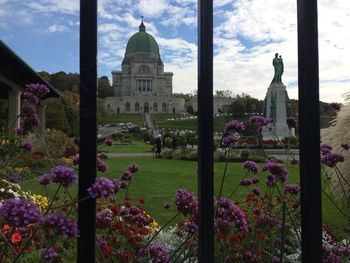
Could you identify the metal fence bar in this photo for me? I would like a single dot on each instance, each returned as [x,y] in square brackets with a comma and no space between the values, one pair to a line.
[309,128]
[87,154]
[205,131]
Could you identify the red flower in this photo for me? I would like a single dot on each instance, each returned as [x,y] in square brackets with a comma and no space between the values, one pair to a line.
[16,238]
[108,250]
[5,228]
[142,201]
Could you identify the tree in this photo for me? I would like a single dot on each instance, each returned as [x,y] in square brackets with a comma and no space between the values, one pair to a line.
[104,88]
[56,116]
[223,93]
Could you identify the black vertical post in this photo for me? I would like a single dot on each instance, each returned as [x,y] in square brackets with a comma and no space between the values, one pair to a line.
[87,152]
[205,131]
[309,128]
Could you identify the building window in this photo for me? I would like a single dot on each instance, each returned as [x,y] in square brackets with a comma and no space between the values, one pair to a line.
[137,107]
[144,85]
[127,107]
[155,107]
[164,107]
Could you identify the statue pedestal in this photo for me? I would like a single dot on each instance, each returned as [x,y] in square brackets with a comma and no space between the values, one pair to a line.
[276,109]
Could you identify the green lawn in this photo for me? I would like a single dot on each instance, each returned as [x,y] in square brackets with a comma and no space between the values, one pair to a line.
[121,118]
[137,146]
[158,180]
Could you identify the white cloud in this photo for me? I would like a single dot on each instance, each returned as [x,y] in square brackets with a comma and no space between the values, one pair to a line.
[152,8]
[57,28]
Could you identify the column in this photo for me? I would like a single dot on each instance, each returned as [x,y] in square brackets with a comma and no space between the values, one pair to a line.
[14,109]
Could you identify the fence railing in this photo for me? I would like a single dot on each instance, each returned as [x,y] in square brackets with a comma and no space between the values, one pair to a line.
[308,121]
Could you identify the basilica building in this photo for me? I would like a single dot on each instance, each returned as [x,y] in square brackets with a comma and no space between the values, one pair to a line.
[142,85]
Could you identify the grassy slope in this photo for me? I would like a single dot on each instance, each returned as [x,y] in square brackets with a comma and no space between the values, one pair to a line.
[191,124]
[162,122]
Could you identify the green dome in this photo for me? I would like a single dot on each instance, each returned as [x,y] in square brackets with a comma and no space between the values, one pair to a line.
[142,42]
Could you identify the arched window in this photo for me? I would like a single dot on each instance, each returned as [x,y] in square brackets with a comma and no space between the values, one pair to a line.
[155,107]
[164,107]
[137,107]
[127,107]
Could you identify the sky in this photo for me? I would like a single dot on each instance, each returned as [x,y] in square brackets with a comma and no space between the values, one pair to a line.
[247,34]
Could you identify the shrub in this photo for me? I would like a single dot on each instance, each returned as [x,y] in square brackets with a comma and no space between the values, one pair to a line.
[166,154]
[192,156]
[57,142]
[176,155]
[245,154]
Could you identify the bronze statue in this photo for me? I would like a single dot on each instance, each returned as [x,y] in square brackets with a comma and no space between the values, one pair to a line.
[277,63]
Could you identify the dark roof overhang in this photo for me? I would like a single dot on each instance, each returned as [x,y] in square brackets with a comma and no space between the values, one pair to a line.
[17,71]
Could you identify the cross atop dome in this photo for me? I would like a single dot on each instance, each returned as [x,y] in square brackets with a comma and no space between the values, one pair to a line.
[142,26]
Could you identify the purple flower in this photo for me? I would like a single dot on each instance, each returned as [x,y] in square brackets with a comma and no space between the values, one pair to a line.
[325,148]
[186,202]
[234,126]
[227,213]
[50,253]
[291,122]
[19,212]
[331,159]
[63,175]
[44,179]
[37,89]
[256,210]
[251,166]
[101,166]
[27,146]
[133,167]
[292,189]
[60,222]
[126,176]
[29,119]
[270,180]
[109,142]
[260,121]
[230,139]
[335,105]
[256,191]
[159,254]
[135,215]
[276,169]
[30,97]
[121,185]
[245,182]
[104,218]
[345,146]
[189,227]
[102,188]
